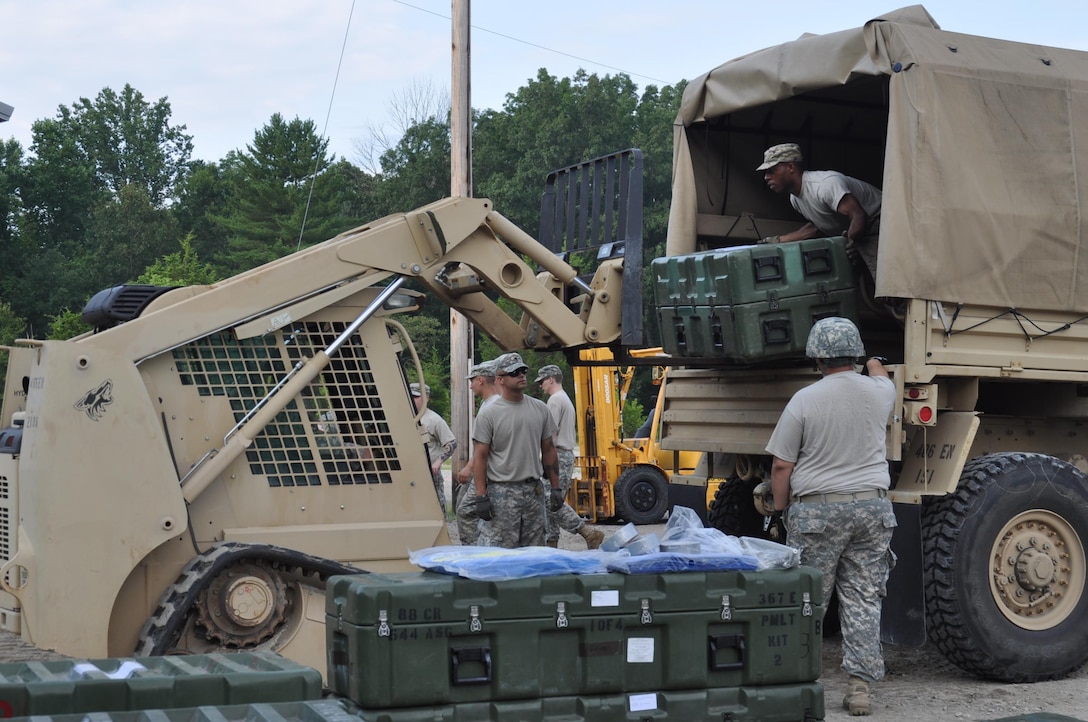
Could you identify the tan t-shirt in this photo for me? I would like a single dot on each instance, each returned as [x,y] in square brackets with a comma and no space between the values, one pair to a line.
[835,432]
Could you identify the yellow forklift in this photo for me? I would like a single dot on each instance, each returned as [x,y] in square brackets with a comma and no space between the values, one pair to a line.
[617,478]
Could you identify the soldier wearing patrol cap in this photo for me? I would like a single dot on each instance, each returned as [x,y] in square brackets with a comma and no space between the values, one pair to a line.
[481,378]
[550,378]
[830,476]
[512,451]
[437,437]
[833,204]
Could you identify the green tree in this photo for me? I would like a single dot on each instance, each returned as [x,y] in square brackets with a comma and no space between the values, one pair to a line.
[11,328]
[274,206]
[202,195]
[98,172]
[11,173]
[130,141]
[127,234]
[67,324]
[549,123]
[182,268]
[416,171]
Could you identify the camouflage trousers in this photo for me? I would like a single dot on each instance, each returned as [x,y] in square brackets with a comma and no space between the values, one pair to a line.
[467,521]
[849,542]
[566,518]
[440,489]
[518,517]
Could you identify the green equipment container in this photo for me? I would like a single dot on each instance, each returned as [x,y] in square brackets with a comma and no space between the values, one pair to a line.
[783,703]
[422,638]
[322,710]
[140,683]
[779,703]
[753,274]
[750,332]
[752,303]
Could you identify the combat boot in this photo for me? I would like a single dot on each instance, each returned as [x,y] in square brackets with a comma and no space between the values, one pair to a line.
[593,537]
[553,543]
[857,697]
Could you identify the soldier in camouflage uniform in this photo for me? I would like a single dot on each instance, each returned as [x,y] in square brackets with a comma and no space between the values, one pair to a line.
[830,475]
[481,380]
[437,437]
[550,378]
[512,450]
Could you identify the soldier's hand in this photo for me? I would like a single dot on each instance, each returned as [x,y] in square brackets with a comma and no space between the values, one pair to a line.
[776,528]
[483,508]
[556,499]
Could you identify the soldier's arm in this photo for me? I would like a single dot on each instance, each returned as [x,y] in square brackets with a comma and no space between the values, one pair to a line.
[781,471]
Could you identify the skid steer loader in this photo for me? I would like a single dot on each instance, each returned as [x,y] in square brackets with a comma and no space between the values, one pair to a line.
[185,477]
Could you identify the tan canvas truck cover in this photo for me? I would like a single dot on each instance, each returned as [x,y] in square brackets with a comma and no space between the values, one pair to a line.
[984,191]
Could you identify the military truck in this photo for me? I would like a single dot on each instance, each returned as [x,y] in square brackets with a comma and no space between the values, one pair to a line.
[185,477]
[977,145]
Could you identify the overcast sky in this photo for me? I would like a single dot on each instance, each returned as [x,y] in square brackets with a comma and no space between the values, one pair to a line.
[227,65]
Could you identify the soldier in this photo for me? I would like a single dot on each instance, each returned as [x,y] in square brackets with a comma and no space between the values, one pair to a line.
[512,441]
[550,378]
[830,475]
[832,203]
[438,439]
[481,379]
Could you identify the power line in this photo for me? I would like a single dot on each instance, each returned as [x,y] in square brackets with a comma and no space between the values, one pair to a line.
[534,45]
[325,130]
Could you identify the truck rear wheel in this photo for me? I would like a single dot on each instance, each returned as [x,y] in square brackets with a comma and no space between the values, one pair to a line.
[733,512]
[1005,568]
[642,495]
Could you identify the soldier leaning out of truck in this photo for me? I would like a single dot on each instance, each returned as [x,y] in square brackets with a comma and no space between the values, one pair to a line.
[827,199]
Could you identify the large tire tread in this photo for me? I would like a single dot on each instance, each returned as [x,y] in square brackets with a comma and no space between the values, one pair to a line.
[948,613]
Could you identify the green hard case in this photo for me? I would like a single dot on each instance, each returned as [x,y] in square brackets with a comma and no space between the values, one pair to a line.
[83,686]
[424,638]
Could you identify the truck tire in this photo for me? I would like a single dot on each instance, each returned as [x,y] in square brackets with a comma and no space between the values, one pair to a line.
[642,495]
[733,512]
[1005,568]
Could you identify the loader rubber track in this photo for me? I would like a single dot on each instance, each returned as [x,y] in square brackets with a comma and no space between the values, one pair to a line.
[162,630]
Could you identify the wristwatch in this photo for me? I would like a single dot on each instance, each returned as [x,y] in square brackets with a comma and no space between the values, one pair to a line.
[883,361]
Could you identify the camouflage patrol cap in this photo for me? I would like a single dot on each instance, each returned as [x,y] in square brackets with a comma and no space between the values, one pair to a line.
[834,337]
[782,153]
[414,388]
[508,363]
[549,371]
[484,368]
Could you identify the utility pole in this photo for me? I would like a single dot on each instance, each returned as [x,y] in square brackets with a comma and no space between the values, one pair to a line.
[461,347]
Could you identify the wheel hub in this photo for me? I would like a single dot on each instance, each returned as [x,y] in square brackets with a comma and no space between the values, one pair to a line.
[1035,570]
[243,605]
[248,601]
[1038,568]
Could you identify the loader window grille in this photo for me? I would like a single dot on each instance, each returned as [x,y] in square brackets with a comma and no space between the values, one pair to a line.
[5,518]
[5,535]
[334,433]
[345,409]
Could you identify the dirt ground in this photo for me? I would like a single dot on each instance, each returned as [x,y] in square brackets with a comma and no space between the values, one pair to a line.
[920,685]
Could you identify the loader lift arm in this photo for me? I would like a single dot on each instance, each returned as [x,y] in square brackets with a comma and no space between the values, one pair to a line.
[460,249]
